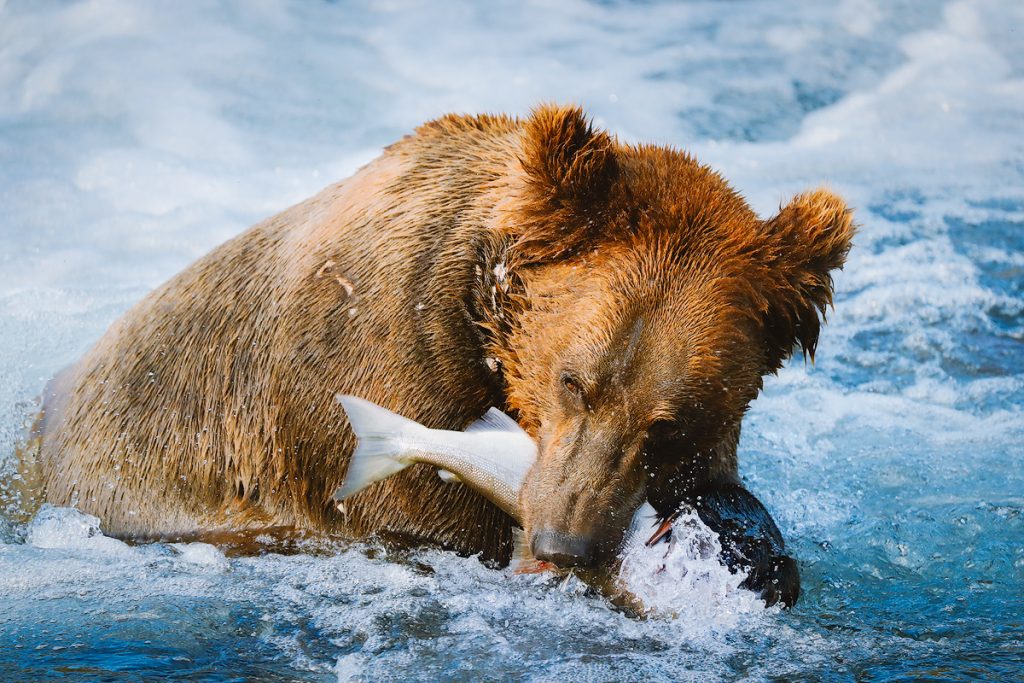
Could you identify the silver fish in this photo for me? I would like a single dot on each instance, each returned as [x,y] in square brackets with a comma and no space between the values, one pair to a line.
[492,456]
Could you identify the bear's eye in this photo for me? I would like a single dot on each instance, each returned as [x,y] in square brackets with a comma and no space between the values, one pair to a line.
[663,430]
[572,384]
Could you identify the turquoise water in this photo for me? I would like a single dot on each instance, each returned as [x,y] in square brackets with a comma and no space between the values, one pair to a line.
[134,137]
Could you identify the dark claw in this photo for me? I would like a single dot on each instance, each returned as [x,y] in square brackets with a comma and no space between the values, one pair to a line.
[662,531]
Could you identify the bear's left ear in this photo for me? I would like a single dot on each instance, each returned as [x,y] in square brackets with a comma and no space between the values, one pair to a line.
[569,169]
[809,238]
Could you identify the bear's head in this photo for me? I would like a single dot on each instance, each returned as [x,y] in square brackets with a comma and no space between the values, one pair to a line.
[653,301]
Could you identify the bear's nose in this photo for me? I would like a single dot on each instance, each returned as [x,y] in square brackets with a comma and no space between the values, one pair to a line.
[562,550]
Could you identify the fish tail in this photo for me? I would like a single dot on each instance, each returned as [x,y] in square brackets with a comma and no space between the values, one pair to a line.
[380,449]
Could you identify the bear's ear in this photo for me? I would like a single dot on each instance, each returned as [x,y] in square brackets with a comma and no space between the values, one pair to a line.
[807,240]
[565,158]
[569,170]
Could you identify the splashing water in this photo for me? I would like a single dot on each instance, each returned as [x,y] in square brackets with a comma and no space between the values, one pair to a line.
[685,580]
[134,137]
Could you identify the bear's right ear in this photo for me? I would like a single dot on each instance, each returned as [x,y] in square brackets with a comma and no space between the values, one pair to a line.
[807,240]
[569,169]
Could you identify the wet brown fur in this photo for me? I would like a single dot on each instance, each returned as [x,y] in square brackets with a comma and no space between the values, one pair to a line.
[469,266]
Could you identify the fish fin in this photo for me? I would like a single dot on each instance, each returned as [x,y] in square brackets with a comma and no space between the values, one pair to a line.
[520,548]
[494,421]
[448,477]
[378,453]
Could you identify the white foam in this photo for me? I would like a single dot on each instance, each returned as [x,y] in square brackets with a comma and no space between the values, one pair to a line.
[67,528]
[350,667]
[202,555]
[685,579]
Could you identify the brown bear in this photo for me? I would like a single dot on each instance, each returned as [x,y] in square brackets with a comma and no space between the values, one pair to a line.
[622,302]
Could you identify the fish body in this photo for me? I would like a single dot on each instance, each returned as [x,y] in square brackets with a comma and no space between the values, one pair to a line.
[492,456]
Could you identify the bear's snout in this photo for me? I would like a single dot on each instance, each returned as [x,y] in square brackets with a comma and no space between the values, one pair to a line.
[561,549]
[580,495]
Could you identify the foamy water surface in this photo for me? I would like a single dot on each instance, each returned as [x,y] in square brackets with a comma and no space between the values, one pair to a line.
[136,136]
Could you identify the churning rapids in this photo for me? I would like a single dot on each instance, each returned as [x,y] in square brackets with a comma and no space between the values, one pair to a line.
[136,136]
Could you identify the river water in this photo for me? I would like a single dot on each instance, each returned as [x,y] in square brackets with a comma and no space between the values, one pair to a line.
[136,136]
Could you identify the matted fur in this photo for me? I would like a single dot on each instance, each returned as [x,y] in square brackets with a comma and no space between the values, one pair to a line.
[457,271]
